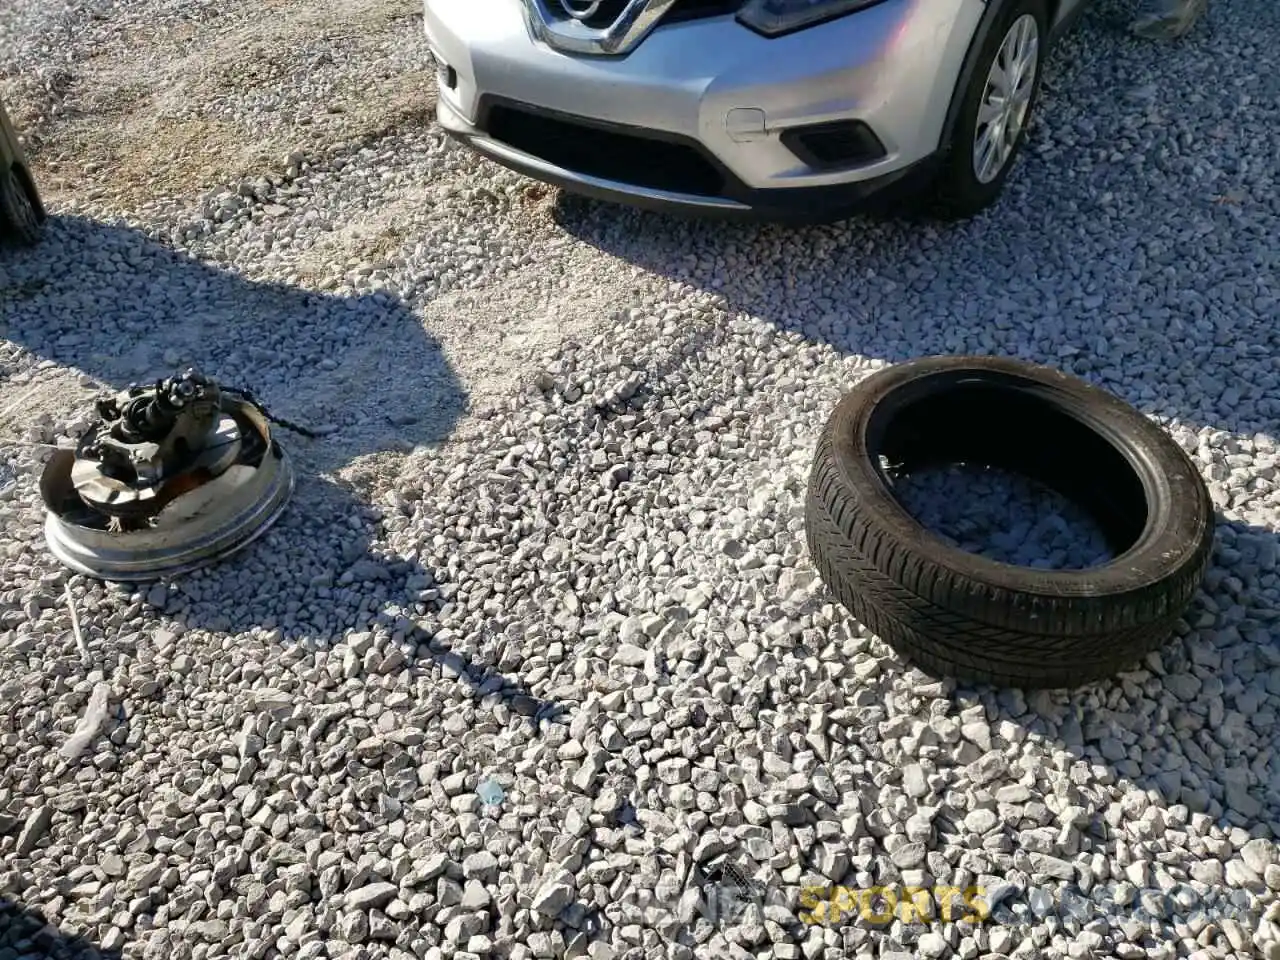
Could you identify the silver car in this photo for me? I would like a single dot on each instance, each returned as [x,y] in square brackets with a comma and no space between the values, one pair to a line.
[774,109]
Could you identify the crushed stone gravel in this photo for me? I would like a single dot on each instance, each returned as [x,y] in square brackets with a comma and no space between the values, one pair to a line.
[1003,516]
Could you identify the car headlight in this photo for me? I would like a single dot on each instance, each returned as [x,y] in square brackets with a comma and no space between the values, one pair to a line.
[772,17]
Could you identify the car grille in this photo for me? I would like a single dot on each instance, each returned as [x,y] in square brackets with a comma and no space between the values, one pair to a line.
[611,10]
[610,154]
[698,9]
[606,16]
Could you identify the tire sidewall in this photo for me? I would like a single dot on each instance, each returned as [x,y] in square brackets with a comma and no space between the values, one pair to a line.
[16,203]
[961,188]
[28,184]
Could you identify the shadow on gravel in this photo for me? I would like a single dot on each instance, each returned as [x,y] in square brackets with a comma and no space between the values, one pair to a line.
[1114,257]
[1233,622]
[1111,254]
[117,306]
[26,933]
[921,291]
[114,304]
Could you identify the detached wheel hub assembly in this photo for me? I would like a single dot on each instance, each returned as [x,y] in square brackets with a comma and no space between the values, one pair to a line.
[169,478]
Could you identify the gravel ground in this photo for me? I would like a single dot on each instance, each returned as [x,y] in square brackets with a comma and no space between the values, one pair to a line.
[1003,516]
[537,653]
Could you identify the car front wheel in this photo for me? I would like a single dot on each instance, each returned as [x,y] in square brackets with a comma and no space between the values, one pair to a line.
[995,112]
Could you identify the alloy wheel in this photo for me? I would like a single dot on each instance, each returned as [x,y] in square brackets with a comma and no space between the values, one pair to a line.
[1006,98]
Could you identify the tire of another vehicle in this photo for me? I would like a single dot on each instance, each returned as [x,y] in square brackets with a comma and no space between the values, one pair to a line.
[958,614]
[21,214]
[958,192]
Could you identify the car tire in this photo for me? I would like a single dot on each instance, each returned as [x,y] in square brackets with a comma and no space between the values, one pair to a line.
[961,190]
[962,615]
[21,213]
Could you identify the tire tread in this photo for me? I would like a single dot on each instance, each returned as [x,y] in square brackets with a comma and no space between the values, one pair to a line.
[957,625]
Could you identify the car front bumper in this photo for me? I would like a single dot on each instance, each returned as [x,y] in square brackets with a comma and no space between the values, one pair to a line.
[702,114]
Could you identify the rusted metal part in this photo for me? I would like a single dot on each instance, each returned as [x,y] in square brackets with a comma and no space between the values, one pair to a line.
[148,441]
[220,496]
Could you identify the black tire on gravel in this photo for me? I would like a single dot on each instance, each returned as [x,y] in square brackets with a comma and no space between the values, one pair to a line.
[958,614]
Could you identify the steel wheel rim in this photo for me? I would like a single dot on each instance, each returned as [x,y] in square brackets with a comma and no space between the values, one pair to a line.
[1006,98]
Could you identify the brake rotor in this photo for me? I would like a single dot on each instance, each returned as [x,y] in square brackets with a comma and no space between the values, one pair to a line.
[169,479]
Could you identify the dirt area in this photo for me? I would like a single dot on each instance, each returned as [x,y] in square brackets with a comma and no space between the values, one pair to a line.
[178,108]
